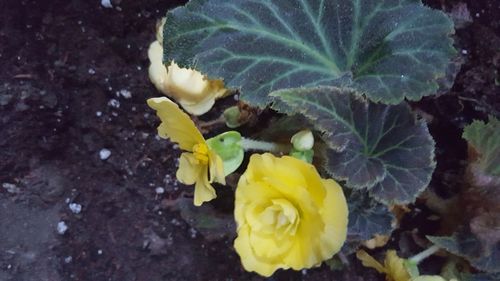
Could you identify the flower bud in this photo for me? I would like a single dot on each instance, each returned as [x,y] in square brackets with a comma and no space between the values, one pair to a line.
[303,140]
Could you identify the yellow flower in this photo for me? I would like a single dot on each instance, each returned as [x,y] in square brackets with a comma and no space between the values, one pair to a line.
[199,161]
[287,215]
[194,92]
[393,268]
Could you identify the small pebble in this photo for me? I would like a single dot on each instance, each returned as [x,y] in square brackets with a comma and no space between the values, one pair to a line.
[75,208]
[193,232]
[98,114]
[11,188]
[106,4]
[91,71]
[125,93]
[68,259]
[160,190]
[99,252]
[62,227]
[104,153]
[114,103]
[464,52]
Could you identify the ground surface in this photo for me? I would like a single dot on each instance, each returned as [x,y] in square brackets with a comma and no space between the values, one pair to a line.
[67,69]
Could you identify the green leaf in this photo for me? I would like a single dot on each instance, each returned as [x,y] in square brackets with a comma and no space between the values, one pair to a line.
[465,244]
[388,49]
[485,139]
[366,218]
[483,277]
[382,148]
[227,146]
[211,224]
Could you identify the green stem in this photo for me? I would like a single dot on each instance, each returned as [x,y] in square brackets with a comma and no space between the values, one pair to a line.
[249,144]
[424,254]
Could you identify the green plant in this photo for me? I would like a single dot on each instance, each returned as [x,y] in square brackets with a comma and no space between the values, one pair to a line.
[343,68]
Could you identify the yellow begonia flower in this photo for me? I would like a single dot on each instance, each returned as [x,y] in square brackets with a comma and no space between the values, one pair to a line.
[393,268]
[199,161]
[287,215]
[194,92]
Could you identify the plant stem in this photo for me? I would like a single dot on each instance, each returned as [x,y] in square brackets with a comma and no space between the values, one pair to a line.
[249,144]
[424,254]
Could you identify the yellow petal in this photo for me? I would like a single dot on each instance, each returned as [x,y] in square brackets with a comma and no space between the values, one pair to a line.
[203,190]
[176,125]
[395,267]
[157,70]
[197,107]
[185,82]
[216,168]
[335,215]
[369,261]
[189,169]
[249,261]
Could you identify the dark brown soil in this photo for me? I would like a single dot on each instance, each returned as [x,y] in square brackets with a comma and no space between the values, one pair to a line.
[63,66]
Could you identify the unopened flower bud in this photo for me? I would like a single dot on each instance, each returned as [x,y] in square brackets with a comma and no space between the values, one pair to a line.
[303,140]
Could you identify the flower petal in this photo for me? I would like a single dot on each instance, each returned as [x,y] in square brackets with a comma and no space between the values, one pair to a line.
[157,70]
[248,259]
[203,190]
[216,166]
[369,261]
[189,169]
[176,125]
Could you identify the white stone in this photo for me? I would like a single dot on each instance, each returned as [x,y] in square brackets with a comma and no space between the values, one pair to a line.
[62,227]
[114,103]
[125,93]
[104,153]
[160,190]
[106,4]
[75,208]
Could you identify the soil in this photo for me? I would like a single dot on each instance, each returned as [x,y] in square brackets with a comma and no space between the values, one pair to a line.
[73,85]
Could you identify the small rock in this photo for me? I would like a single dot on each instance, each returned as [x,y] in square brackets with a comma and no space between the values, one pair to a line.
[11,188]
[75,208]
[104,154]
[62,227]
[68,259]
[114,103]
[160,190]
[125,93]
[106,4]
[99,252]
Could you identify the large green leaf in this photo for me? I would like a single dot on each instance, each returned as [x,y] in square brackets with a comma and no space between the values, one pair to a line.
[379,147]
[388,49]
